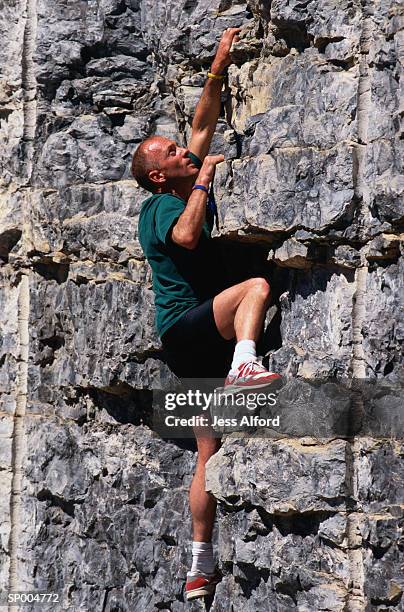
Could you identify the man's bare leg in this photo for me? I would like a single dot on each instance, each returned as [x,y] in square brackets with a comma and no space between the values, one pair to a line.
[203,509]
[240,310]
[203,504]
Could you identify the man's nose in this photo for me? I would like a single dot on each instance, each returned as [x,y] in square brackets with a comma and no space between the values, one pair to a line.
[185,152]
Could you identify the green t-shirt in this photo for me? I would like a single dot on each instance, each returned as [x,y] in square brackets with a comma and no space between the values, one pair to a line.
[182,278]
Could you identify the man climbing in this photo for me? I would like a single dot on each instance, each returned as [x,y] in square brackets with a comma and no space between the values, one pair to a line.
[198,322]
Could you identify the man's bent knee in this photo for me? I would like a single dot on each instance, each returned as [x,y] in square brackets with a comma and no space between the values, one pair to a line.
[261,285]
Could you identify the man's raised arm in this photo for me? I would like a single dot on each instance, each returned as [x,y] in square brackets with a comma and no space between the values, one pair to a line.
[208,108]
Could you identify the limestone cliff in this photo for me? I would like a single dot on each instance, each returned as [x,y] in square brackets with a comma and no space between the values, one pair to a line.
[93,505]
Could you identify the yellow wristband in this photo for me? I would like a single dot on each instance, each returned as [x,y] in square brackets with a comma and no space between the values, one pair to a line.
[212,75]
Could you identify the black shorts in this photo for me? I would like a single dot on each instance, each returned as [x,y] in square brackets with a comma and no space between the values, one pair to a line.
[194,347]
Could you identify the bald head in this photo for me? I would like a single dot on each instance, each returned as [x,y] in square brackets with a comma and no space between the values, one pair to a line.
[161,165]
[147,157]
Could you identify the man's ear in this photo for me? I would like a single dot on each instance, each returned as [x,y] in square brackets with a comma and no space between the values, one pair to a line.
[157,176]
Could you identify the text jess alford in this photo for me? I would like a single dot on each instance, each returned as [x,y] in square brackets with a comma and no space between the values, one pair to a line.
[201,421]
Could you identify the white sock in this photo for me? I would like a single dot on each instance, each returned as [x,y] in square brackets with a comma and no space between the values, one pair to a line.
[244,352]
[202,558]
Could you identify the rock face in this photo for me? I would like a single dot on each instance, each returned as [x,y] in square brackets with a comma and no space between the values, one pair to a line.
[93,504]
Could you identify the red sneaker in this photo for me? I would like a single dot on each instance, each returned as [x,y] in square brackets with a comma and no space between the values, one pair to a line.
[251,375]
[199,585]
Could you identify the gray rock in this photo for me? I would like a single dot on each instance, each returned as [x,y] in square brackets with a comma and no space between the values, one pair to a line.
[291,479]
[63,356]
[386,184]
[382,340]
[294,187]
[379,486]
[319,345]
[311,131]
[335,20]
[333,530]
[95,505]
[384,558]
[346,256]
[86,152]
[304,95]
[292,254]
[385,247]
